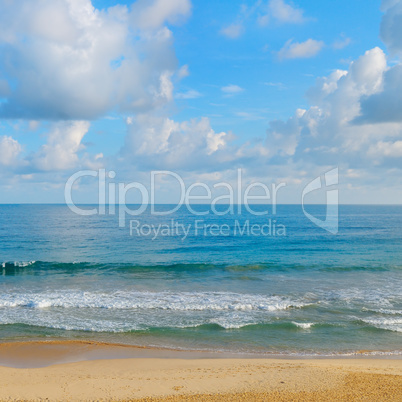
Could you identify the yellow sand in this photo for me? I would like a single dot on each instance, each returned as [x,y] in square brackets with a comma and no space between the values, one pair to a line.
[205,379]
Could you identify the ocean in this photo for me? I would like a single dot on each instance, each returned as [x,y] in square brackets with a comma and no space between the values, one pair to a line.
[267,284]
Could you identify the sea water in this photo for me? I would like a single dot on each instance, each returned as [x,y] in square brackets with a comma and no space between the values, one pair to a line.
[288,287]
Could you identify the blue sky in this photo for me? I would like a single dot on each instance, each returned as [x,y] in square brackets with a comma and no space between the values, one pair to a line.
[284,90]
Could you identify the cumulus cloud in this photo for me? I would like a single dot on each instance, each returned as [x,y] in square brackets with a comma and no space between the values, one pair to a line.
[327,132]
[63,144]
[159,142]
[10,149]
[386,149]
[122,59]
[303,50]
[283,136]
[391,25]
[67,60]
[384,106]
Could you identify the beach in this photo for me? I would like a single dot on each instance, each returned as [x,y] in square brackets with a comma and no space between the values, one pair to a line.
[186,375]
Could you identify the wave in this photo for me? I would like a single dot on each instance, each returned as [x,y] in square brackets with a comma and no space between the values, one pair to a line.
[383,311]
[389,324]
[224,324]
[26,267]
[17,264]
[183,301]
[211,326]
[303,325]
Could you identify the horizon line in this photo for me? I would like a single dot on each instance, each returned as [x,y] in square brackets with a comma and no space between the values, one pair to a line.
[223,204]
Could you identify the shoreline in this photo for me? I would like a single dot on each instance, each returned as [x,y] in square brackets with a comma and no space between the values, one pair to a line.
[43,353]
[122,372]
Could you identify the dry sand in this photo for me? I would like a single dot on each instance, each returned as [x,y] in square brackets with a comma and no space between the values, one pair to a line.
[178,377]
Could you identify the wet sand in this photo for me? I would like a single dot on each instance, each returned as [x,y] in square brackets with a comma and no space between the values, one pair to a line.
[93,371]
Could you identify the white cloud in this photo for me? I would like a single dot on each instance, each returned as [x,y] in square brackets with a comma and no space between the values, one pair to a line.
[233,31]
[101,61]
[152,14]
[232,89]
[386,149]
[285,13]
[368,70]
[296,50]
[215,141]
[68,60]
[264,12]
[165,90]
[326,133]
[63,143]
[325,86]
[159,142]
[190,94]
[391,25]
[384,106]
[10,149]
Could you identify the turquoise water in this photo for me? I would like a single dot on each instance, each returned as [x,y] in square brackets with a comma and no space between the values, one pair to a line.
[306,292]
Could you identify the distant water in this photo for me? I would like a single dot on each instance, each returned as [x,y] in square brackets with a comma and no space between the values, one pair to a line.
[310,292]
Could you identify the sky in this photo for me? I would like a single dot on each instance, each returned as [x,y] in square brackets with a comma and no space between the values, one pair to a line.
[283,90]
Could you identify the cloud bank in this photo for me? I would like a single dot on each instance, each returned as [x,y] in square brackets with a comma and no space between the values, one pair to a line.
[64,59]
[88,62]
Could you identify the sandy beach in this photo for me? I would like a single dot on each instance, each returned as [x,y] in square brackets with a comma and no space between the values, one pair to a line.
[52,370]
